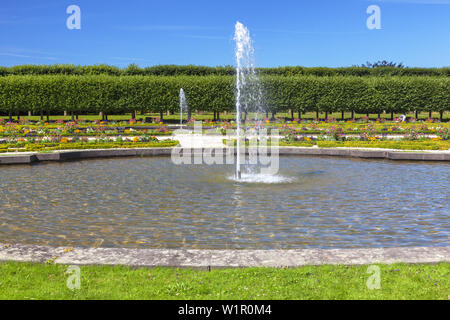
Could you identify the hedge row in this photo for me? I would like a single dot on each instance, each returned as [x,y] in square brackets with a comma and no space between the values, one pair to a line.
[191,70]
[116,95]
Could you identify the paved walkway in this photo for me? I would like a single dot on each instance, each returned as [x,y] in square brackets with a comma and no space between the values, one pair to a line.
[199,140]
[221,258]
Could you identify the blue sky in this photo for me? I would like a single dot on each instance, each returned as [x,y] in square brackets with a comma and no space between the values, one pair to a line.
[296,32]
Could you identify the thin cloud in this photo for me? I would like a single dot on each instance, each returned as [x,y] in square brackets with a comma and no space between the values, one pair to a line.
[14,20]
[15,55]
[18,50]
[164,28]
[308,32]
[205,37]
[25,53]
[442,2]
[127,59]
[177,30]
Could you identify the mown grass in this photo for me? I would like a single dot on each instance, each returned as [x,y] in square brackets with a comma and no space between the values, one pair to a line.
[398,281]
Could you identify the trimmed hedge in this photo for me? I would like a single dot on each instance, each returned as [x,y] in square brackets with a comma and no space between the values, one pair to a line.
[192,70]
[117,95]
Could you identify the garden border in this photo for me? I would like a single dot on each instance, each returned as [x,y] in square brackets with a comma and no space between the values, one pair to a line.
[207,259]
[64,155]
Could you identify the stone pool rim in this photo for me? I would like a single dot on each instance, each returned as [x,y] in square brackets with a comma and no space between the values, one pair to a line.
[65,155]
[209,259]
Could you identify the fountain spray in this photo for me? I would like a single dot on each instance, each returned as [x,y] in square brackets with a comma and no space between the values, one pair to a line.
[248,91]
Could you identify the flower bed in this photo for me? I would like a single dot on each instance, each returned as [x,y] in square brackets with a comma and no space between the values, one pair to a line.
[368,128]
[97,144]
[428,144]
[400,145]
[13,130]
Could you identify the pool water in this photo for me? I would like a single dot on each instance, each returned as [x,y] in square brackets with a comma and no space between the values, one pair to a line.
[314,202]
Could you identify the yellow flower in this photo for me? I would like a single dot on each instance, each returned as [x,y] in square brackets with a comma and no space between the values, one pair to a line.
[77,131]
[126,131]
[437,139]
[102,122]
[307,139]
[135,139]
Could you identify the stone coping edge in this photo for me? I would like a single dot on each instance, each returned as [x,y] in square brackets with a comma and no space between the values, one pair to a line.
[207,259]
[106,153]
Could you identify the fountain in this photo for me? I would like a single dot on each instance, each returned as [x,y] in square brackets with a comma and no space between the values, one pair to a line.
[183,106]
[314,202]
[248,90]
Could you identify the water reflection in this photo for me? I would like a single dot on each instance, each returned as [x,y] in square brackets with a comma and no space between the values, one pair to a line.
[149,202]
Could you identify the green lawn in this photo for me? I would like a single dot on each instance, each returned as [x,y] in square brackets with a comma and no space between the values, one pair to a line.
[398,281]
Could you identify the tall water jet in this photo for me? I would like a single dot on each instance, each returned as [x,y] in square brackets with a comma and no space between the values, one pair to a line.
[183,105]
[248,91]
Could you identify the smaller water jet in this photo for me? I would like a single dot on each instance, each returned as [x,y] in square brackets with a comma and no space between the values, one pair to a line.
[183,105]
